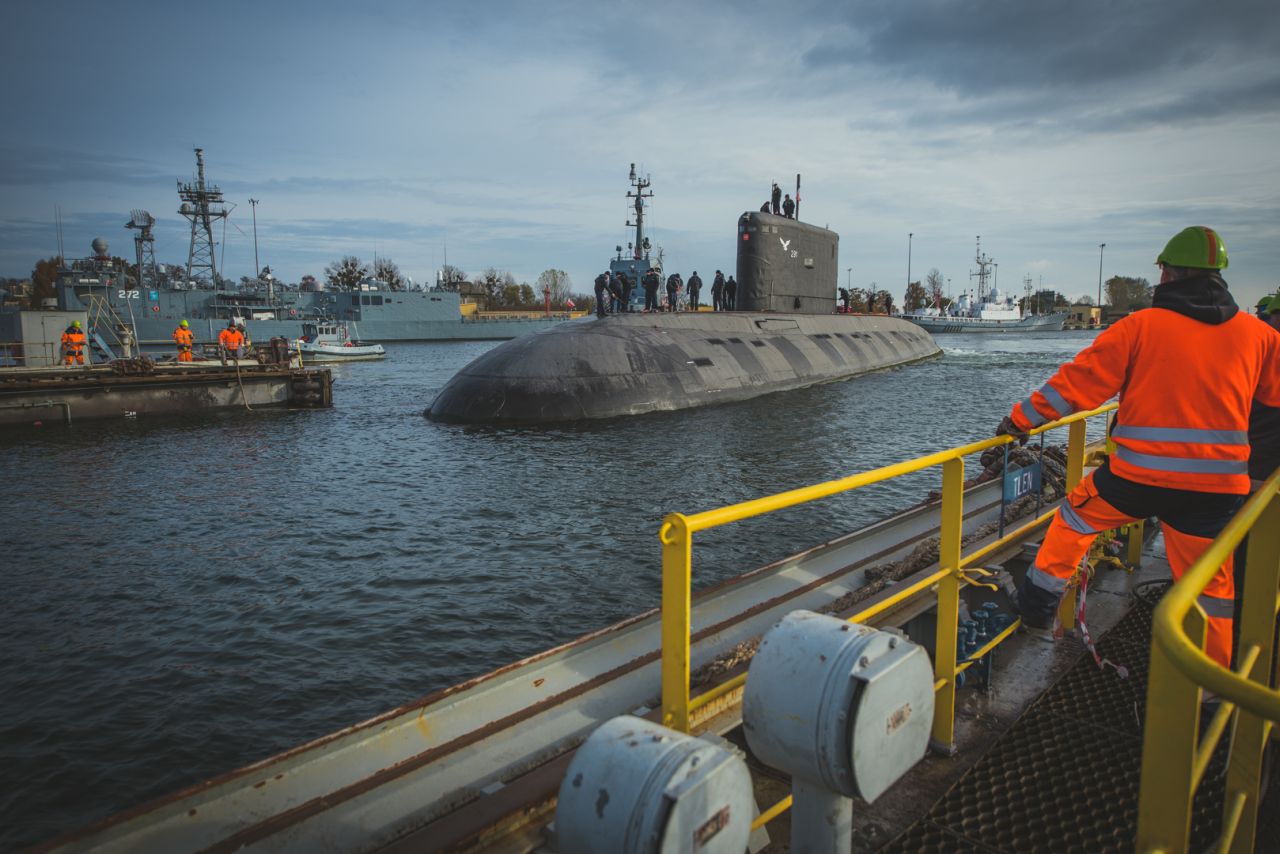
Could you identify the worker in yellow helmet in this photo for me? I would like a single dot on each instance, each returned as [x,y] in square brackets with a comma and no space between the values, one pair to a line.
[184,339]
[73,341]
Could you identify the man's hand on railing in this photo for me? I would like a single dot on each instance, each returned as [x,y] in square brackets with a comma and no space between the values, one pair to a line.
[1008,428]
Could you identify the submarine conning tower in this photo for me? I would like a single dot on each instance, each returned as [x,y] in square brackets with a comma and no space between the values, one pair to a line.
[785,265]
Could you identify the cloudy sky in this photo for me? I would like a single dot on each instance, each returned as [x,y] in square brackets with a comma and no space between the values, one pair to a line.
[502,132]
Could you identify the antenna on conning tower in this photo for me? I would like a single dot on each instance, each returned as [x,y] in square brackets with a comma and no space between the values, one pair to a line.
[144,244]
[640,248]
[201,205]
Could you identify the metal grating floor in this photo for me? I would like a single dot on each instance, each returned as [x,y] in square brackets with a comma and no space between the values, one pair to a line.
[1065,777]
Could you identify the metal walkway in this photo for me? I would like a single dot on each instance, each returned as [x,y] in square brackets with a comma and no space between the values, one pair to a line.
[1065,776]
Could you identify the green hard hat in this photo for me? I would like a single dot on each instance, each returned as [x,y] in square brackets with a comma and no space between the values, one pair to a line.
[1273,304]
[1198,246]
[184,324]
[76,324]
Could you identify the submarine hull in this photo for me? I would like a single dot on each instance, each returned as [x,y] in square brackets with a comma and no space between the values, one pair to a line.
[635,363]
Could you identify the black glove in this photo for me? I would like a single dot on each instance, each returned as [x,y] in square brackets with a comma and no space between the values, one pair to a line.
[1008,428]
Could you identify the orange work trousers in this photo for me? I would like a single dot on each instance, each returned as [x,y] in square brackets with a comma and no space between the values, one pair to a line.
[73,357]
[1190,522]
[184,355]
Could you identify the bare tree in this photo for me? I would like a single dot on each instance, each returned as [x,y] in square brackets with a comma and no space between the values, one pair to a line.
[559,283]
[385,270]
[345,274]
[934,284]
[451,277]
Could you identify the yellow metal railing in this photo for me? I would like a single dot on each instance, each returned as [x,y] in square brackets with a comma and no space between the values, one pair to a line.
[1174,754]
[677,533]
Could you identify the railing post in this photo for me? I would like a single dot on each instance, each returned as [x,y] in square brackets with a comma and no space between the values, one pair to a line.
[944,660]
[1169,736]
[1134,555]
[1257,627]
[1075,454]
[677,555]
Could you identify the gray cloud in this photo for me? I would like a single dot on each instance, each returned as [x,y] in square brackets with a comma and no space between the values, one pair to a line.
[44,166]
[1095,58]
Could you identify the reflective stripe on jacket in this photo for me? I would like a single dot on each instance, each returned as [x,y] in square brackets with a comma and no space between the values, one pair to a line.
[183,337]
[230,338]
[1185,389]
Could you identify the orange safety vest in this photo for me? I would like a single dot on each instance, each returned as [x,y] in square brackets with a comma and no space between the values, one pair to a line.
[183,337]
[1185,389]
[73,341]
[230,338]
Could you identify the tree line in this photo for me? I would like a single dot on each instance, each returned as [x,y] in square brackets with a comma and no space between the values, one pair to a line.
[1123,293]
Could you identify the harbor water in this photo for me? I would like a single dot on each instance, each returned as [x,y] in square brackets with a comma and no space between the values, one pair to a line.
[188,595]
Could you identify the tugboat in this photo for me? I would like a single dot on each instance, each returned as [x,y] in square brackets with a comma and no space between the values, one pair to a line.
[990,310]
[333,342]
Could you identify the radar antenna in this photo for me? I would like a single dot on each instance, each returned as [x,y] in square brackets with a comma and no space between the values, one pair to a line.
[983,263]
[640,248]
[144,244]
[201,204]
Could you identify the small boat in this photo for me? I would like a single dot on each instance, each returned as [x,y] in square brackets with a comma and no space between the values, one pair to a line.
[335,342]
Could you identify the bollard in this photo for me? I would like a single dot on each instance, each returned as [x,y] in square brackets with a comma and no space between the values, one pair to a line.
[844,709]
[635,787]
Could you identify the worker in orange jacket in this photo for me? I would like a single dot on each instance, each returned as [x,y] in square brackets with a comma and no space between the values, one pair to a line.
[231,339]
[1186,370]
[73,341]
[183,337]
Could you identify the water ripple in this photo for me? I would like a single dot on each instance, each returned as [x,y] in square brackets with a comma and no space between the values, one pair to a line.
[187,595]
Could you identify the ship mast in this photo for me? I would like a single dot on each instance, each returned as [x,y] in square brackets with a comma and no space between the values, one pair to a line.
[201,205]
[639,249]
[983,263]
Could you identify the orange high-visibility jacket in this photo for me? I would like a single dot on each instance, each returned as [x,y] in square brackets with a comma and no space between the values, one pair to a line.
[183,337]
[73,341]
[1185,389]
[230,338]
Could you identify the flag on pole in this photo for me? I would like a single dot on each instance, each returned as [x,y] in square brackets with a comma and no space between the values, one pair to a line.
[569,303]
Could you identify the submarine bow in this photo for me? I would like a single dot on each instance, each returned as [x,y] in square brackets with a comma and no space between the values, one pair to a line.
[636,363]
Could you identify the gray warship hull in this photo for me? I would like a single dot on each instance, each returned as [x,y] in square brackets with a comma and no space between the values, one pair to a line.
[631,364]
[379,315]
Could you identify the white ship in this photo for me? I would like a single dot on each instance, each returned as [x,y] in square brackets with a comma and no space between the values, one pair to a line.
[989,310]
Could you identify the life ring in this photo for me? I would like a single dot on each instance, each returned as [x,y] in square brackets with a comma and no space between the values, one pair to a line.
[293,312]
[155,308]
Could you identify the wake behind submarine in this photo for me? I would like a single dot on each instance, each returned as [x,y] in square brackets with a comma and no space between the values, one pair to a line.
[784,335]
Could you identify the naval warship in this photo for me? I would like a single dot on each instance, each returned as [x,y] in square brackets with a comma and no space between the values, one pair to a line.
[990,310]
[784,334]
[153,305]
[376,312]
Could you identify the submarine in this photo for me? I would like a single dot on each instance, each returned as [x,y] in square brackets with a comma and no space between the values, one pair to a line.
[784,334]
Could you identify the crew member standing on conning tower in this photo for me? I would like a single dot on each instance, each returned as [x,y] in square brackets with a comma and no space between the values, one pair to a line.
[184,339]
[602,287]
[652,281]
[1186,370]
